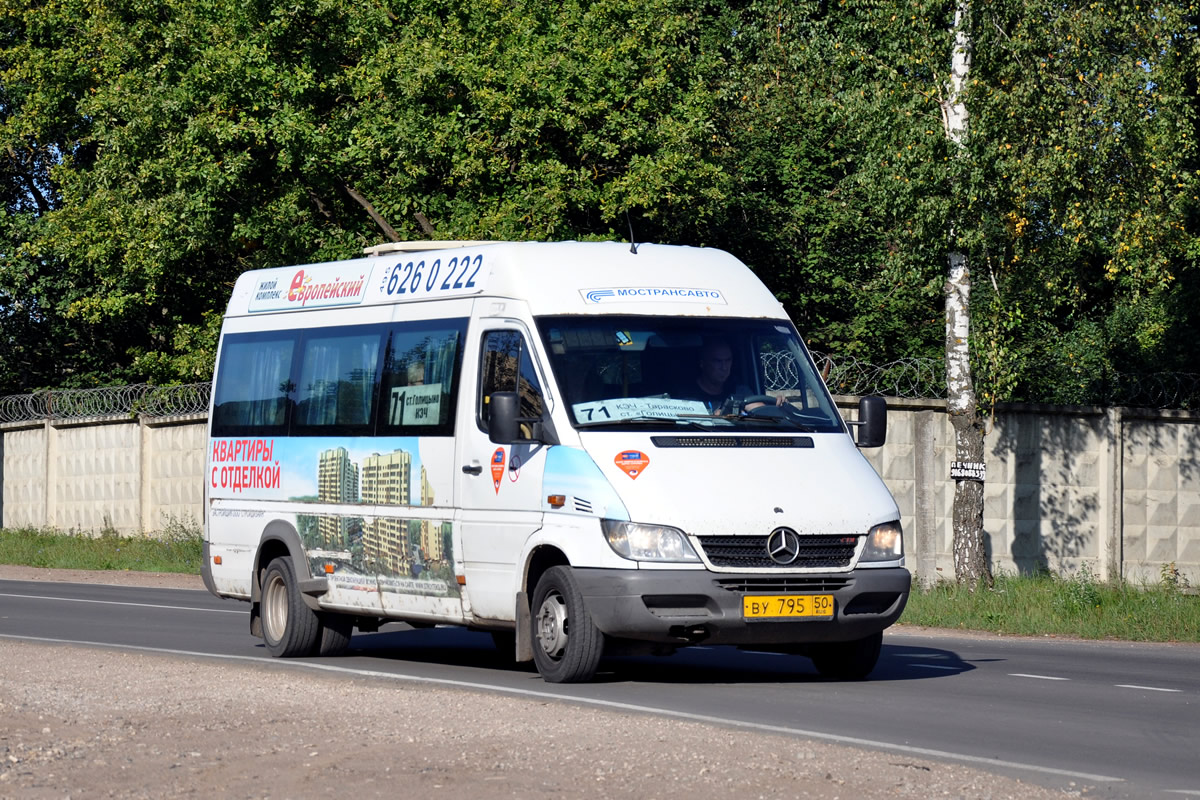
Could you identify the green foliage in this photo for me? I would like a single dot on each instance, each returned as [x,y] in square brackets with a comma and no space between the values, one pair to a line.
[1086,133]
[151,150]
[202,139]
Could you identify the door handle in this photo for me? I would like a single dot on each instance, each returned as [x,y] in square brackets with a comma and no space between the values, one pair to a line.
[472,470]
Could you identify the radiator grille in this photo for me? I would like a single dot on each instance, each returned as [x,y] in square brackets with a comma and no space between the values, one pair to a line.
[750,552]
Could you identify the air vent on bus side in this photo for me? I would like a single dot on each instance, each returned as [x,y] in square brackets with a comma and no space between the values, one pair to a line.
[732,441]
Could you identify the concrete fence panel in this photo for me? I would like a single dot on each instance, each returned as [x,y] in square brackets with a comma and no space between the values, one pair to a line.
[23,471]
[175,483]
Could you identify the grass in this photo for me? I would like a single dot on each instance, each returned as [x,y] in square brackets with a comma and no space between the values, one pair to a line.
[176,548]
[1074,605]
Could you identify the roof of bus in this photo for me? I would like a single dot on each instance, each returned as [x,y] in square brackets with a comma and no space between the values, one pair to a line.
[552,277]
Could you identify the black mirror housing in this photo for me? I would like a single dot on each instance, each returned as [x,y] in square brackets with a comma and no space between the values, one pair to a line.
[502,417]
[872,421]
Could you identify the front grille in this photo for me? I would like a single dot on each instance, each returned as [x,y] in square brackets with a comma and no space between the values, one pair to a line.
[817,583]
[750,552]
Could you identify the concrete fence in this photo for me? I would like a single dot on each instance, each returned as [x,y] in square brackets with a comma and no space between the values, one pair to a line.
[1116,489]
[125,474]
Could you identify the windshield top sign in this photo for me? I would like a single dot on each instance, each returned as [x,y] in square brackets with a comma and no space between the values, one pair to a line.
[310,287]
[634,294]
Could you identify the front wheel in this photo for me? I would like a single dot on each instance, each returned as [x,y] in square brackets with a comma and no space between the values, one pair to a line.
[567,645]
[847,661]
[290,628]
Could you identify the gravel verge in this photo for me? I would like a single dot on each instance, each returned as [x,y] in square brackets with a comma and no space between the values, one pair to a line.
[87,722]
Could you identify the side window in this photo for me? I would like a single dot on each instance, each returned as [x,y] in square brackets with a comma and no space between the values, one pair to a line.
[386,380]
[420,368]
[505,366]
[253,391]
[339,381]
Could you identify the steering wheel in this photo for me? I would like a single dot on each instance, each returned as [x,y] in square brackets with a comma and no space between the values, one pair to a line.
[737,404]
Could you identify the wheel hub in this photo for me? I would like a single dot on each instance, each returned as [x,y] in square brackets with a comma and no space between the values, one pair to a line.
[552,625]
[274,608]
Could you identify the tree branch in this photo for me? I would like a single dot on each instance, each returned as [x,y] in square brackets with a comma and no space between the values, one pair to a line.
[387,229]
[317,202]
[424,222]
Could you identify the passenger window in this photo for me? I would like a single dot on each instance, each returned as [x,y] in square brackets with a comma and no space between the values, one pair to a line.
[386,380]
[507,367]
[338,381]
[252,395]
[419,387]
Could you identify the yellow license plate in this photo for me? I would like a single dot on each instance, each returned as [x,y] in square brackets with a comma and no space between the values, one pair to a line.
[785,606]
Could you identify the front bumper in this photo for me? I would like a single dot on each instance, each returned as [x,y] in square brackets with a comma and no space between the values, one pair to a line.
[689,607]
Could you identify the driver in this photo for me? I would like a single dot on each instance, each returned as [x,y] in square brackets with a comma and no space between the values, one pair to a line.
[711,384]
[716,362]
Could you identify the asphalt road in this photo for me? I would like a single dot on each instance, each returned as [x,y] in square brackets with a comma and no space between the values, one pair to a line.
[1121,719]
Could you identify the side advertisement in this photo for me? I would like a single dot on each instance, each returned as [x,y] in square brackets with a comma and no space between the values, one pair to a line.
[402,542]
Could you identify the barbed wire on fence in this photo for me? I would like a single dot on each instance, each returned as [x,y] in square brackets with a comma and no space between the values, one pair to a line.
[907,377]
[924,378]
[910,378]
[107,401]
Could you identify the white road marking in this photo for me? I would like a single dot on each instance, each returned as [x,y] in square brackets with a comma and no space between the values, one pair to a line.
[116,603]
[1038,677]
[1146,688]
[853,741]
[1191,792]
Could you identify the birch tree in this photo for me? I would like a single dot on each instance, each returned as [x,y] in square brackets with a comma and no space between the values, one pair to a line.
[970,558]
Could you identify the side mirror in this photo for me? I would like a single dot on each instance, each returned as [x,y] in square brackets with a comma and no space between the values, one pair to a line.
[502,417]
[872,421]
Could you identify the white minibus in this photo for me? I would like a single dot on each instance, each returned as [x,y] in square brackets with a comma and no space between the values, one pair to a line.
[585,449]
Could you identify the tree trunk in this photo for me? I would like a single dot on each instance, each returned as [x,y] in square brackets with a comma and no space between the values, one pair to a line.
[970,557]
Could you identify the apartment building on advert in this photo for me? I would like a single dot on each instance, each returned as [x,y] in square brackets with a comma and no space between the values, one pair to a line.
[386,480]
[337,482]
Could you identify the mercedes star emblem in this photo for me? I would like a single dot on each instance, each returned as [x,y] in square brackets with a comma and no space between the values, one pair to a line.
[783,545]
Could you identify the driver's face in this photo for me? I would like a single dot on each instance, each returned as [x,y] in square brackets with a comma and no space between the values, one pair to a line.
[716,364]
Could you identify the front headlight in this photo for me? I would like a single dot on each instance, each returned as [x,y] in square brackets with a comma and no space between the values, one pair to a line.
[884,543]
[641,542]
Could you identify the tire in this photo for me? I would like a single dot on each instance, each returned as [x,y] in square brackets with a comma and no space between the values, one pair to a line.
[847,661]
[566,643]
[336,630]
[290,628]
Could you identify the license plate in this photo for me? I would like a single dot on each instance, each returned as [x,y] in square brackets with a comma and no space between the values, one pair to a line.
[787,606]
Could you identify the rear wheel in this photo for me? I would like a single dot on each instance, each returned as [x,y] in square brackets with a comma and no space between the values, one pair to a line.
[336,630]
[847,661]
[566,643]
[290,628]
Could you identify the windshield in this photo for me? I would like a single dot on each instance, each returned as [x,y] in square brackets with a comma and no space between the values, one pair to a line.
[669,372]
